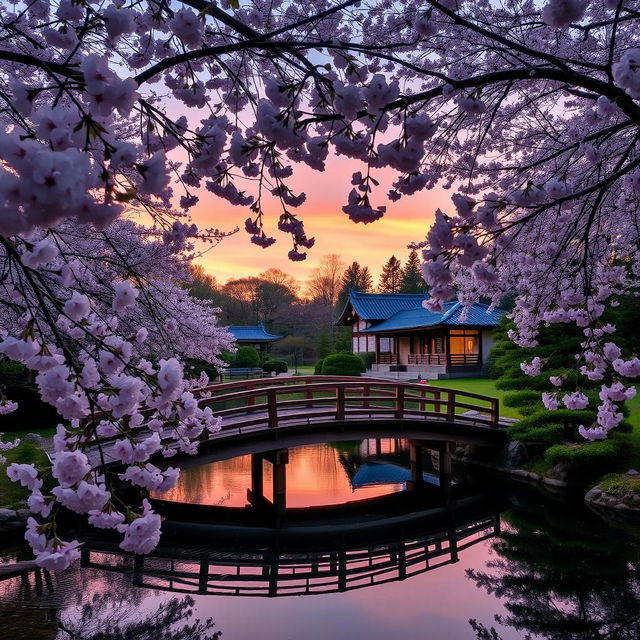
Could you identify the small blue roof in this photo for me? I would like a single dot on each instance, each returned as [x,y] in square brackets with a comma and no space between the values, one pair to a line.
[380,306]
[452,316]
[252,333]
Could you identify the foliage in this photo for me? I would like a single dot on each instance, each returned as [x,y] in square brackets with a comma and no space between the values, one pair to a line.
[246,357]
[562,572]
[13,496]
[279,366]
[391,276]
[368,357]
[324,344]
[412,280]
[342,339]
[354,278]
[317,369]
[109,616]
[620,485]
[528,112]
[343,364]
[589,458]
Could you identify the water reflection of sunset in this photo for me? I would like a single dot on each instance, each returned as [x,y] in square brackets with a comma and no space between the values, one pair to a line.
[315,476]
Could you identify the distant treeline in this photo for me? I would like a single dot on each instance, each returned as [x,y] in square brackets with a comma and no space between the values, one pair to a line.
[303,312]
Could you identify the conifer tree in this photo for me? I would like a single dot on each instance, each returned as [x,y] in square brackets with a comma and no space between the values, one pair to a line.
[412,280]
[391,276]
[356,278]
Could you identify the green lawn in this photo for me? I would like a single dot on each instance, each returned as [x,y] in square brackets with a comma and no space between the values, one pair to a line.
[12,494]
[482,386]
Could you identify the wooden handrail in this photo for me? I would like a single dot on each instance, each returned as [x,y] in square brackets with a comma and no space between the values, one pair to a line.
[247,402]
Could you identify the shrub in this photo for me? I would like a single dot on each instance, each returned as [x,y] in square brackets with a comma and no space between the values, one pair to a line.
[317,369]
[368,357]
[279,366]
[246,357]
[264,357]
[521,398]
[343,364]
[539,437]
[590,458]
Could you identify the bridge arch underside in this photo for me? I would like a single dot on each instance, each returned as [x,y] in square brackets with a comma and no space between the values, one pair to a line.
[233,443]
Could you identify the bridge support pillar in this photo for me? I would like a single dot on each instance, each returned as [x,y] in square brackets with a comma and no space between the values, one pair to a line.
[417,467]
[280,486]
[445,470]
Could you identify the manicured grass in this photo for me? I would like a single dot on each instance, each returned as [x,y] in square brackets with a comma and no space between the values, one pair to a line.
[481,386]
[12,494]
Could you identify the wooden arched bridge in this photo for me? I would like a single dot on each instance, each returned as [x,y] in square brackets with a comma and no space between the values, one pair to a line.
[351,405]
[303,409]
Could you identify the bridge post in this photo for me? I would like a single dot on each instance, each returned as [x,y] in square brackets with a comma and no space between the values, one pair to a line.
[417,467]
[400,402]
[451,405]
[280,461]
[256,495]
[445,470]
[453,545]
[203,575]
[272,408]
[340,403]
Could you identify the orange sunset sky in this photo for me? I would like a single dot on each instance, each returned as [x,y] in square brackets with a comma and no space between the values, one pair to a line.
[371,245]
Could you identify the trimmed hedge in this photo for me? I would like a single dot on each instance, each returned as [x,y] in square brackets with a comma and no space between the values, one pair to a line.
[246,357]
[279,366]
[591,457]
[317,369]
[343,364]
[521,398]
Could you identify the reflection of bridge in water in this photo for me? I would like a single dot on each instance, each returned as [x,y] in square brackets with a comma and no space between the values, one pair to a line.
[398,554]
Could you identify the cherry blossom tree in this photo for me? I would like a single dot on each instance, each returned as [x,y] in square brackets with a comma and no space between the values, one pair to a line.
[528,111]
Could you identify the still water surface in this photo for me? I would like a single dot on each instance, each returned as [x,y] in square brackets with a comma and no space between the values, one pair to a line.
[549,571]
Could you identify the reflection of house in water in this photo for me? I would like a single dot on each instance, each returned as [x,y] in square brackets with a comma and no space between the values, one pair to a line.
[384,461]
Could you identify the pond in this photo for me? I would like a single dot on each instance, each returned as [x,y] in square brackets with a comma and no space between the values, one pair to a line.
[358,556]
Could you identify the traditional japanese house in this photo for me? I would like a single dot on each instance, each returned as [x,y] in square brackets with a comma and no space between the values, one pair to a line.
[254,335]
[406,337]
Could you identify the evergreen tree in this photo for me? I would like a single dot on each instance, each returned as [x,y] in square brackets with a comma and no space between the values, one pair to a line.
[356,278]
[412,281]
[324,345]
[391,276]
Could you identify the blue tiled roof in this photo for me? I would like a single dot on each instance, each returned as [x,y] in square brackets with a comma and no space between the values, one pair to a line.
[380,306]
[252,333]
[418,317]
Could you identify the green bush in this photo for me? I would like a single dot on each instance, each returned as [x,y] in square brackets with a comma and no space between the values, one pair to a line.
[264,357]
[368,357]
[343,364]
[246,357]
[521,398]
[539,437]
[589,458]
[279,366]
[317,369]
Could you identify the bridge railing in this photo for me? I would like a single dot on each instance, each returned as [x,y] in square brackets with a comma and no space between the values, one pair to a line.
[340,398]
[269,403]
